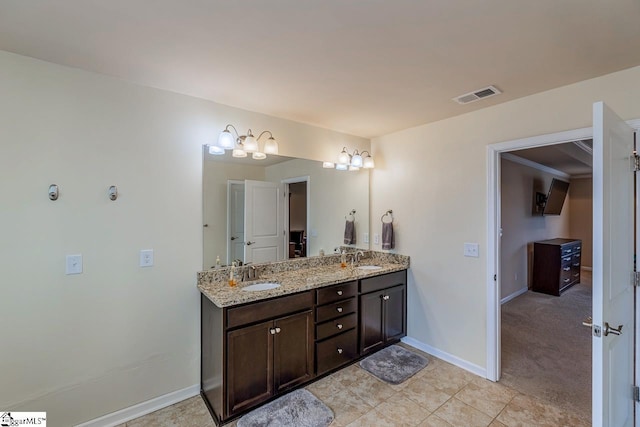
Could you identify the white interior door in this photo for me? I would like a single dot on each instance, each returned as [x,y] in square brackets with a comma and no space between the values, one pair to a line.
[235,235]
[263,221]
[613,256]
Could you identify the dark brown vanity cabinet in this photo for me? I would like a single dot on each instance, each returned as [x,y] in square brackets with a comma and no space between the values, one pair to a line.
[266,347]
[383,308]
[336,326]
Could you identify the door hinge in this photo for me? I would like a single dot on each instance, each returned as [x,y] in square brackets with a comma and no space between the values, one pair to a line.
[635,161]
[636,393]
[635,278]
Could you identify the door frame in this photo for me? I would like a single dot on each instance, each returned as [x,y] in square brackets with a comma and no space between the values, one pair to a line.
[493,342]
[285,238]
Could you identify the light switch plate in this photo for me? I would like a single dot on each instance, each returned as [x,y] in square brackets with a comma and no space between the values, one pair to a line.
[73,264]
[472,250]
[146,258]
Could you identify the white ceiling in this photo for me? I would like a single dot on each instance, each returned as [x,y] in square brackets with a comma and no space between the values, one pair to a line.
[572,158]
[365,67]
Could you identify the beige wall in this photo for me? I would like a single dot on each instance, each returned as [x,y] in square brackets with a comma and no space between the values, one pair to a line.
[519,227]
[581,220]
[434,177]
[83,346]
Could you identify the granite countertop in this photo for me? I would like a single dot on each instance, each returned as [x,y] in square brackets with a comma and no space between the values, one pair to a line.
[295,278]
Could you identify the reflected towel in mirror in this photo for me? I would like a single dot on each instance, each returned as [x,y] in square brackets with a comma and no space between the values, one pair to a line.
[350,233]
[388,240]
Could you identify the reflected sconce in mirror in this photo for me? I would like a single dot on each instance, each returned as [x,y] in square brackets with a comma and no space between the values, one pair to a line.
[351,162]
[244,144]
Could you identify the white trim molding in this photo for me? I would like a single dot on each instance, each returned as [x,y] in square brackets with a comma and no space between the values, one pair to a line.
[454,360]
[514,295]
[144,408]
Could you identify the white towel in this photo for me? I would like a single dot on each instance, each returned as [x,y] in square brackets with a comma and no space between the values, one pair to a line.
[388,240]
[350,233]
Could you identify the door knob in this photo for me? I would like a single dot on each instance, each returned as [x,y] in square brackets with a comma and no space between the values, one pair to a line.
[250,243]
[610,330]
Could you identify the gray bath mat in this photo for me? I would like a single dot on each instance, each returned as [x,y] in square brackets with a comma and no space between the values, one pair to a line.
[394,364]
[299,408]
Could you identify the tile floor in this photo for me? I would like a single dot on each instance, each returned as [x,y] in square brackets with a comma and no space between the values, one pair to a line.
[441,395]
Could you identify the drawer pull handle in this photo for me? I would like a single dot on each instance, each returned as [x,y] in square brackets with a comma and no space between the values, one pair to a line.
[339,309]
[567,268]
[566,280]
[339,326]
[576,275]
[339,292]
[576,264]
[578,248]
[340,351]
[385,297]
[272,331]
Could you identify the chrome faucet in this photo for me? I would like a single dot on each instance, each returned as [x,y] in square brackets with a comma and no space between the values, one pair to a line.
[250,272]
[356,257]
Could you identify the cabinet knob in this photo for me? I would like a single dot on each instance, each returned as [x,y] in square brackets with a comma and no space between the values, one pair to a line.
[385,297]
[339,351]
[339,292]
[339,326]
[278,330]
[339,309]
[272,331]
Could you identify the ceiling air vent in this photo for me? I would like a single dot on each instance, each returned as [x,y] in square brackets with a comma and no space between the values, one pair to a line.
[477,95]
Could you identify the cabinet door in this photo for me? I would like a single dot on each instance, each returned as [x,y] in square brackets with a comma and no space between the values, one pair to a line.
[371,321]
[249,366]
[394,313]
[293,350]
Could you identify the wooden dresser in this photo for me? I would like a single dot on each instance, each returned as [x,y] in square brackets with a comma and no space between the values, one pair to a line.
[556,265]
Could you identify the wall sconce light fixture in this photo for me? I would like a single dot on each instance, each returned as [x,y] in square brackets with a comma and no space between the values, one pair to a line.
[352,162]
[244,144]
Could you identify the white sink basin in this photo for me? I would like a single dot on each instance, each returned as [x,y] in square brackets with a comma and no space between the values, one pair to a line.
[369,267]
[261,287]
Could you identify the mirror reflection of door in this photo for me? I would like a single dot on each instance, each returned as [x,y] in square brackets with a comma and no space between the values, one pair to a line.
[263,221]
[235,226]
[297,219]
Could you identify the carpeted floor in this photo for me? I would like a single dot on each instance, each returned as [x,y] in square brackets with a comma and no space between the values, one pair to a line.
[546,351]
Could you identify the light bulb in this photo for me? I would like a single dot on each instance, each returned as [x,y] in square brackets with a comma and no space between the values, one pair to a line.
[215,150]
[226,140]
[239,152]
[271,146]
[368,162]
[356,160]
[344,157]
[250,143]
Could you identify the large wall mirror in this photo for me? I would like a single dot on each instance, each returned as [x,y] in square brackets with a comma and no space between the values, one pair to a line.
[278,208]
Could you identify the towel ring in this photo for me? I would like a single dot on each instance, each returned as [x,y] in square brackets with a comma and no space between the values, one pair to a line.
[351,215]
[388,213]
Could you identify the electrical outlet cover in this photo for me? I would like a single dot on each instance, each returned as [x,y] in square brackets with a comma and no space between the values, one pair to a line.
[73,264]
[146,258]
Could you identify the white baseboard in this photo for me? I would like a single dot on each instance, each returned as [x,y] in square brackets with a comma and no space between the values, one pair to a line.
[513,295]
[144,408]
[454,360]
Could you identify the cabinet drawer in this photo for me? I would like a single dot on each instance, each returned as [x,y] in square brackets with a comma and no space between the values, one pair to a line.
[269,309]
[336,326]
[336,351]
[337,309]
[381,282]
[336,292]
[565,278]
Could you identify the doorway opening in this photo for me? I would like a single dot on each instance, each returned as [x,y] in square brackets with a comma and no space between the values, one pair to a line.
[545,351]
[297,217]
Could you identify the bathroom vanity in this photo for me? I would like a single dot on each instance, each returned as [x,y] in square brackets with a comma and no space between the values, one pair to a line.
[258,345]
